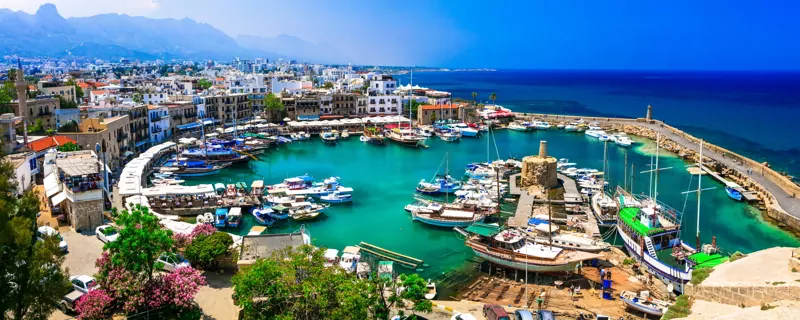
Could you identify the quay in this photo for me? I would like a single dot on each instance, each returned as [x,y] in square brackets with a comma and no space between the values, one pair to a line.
[404,260]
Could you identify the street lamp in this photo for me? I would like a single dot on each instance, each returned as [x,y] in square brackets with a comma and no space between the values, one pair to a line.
[98,149]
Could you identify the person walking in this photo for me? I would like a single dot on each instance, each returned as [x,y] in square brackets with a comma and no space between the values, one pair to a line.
[602,273]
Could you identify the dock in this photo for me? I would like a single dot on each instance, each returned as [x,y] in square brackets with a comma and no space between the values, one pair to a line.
[571,193]
[591,227]
[404,260]
[747,195]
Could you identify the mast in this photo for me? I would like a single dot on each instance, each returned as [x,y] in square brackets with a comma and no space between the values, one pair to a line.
[650,183]
[699,189]
[625,175]
[549,219]
[655,181]
[605,164]
[488,160]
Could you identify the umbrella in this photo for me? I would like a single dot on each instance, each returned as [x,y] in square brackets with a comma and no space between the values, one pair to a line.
[287,119]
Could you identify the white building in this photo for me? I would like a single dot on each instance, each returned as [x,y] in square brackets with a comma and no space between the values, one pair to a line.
[249,83]
[155,98]
[382,84]
[384,105]
[158,120]
[291,86]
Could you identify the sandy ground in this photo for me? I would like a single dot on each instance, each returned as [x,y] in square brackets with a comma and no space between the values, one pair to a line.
[216,298]
[741,272]
[711,310]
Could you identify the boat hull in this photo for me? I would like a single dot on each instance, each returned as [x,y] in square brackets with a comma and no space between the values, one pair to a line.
[633,305]
[408,143]
[733,194]
[569,266]
[199,174]
[443,223]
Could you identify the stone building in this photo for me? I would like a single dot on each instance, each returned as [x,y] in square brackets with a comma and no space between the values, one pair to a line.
[39,108]
[74,186]
[181,113]
[113,132]
[137,125]
[345,103]
[226,108]
[539,171]
[307,107]
[57,89]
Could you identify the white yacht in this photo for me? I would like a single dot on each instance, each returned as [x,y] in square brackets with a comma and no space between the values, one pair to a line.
[517,127]
[542,125]
[622,140]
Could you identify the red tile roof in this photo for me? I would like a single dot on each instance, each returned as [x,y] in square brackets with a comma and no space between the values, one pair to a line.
[100,84]
[98,92]
[49,142]
[430,107]
[83,85]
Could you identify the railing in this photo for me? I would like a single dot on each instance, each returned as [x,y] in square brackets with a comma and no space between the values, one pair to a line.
[121,137]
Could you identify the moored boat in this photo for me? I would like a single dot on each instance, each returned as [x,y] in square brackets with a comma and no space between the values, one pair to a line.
[733,193]
[431,287]
[351,255]
[373,136]
[345,134]
[263,216]
[465,130]
[336,197]
[234,217]
[307,211]
[329,137]
[644,302]
[406,137]
[446,217]
[221,217]
[517,127]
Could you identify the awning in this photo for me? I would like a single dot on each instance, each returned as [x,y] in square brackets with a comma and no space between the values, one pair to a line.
[141,143]
[307,118]
[59,198]
[189,126]
[127,154]
[210,120]
[51,185]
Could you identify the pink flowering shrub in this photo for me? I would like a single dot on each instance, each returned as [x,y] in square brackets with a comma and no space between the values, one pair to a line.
[182,240]
[177,288]
[203,229]
[94,305]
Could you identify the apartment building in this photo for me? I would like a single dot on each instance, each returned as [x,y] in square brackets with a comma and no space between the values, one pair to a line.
[384,105]
[113,132]
[74,185]
[158,121]
[138,125]
[225,108]
[181,113]
[57,88]
[345,103]
[43,108]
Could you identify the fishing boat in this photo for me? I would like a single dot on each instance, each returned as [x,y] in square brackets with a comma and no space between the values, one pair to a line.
[545,232]
[595,132]
[336,197]
[345,134]
[234,217]
[446,217]
[191,168]
[571,127]
[643,302]
[465,130]
[449,136]
[423,206]
[440,183]
[257,188]
[509,248]
[407,138]
[279,212]
[331,258]
[517,127]
[373,136]
[221,217]
[263,216]
[294,183]
[329,137]
[351,255]
[431,287]
[733,193]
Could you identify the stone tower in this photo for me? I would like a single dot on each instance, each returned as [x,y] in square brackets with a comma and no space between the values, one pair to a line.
[539,170]
[22,97]
[649,115]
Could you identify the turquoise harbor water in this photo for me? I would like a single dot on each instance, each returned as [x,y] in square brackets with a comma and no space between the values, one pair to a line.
[384,178]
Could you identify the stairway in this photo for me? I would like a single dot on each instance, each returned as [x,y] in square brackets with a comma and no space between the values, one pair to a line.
[650,249]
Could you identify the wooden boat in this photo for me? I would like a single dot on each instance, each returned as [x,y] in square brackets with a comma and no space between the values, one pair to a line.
[234,217]
[447,217]
[644,302]
[329,137]
[308,211]
[373,136]
[345,134]
[510,248]
[406,137]
[263,216]
[733,193]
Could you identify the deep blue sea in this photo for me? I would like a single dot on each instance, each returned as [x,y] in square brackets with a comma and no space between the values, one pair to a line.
[751,113]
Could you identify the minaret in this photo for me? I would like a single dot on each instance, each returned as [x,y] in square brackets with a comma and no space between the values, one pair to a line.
[22,97]
[649,115]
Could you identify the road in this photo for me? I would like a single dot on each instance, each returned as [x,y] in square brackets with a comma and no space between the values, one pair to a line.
[786,201]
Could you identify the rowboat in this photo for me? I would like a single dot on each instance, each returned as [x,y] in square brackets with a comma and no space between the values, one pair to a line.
[644,302]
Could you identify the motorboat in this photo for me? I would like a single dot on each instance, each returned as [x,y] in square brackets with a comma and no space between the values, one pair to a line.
[561,125]
[221,217]
[517,127]
[734,193]
[234,217]
[257,188]
[542,125]
[423,206]
[571,127]
[279,212]
[329,137]
[605,138]
[424,131]
[479,171]
[336,197]
[263,216]
[465,130]
[302,135]
[431,287]
[168,181]
[595,132]
[351,255]
[308,211]
[294,183]
[206,218]
[604,208]
[622,140]
[345,134]
[449,136]
[643,302]
[373,136]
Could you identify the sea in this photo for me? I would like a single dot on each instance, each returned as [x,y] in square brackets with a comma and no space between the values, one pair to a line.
[749,113]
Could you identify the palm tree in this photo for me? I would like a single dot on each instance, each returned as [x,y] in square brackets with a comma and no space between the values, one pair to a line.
[493,96]
[474,96]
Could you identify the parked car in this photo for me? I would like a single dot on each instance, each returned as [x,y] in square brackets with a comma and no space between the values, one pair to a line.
[463,316]
[106,233]
[172,261]
[522,314]
[83,283]
[45,231]
[545,315]
[67,303]
[495,312]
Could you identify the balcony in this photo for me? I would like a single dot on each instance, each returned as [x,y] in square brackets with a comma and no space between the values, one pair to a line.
[122,137]
[44,113]
[155,130]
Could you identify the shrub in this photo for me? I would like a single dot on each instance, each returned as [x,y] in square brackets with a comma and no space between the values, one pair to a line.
[94,305]
[203,229]
[736,256]
[681,309]
[699,275]
[204,250]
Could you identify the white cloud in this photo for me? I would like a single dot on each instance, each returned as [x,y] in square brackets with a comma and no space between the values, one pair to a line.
[82,8]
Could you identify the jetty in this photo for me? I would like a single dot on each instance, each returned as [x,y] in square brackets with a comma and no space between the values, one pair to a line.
[404,260]
[747,195]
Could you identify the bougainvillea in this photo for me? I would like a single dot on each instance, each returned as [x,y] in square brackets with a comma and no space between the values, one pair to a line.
[203,229]
[94,305]
[181,240]
[177,288]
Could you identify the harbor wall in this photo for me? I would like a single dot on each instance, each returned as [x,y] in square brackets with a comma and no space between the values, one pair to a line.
[639,127]
[747,296]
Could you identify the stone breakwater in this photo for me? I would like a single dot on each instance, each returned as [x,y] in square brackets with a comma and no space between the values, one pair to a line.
[784,211]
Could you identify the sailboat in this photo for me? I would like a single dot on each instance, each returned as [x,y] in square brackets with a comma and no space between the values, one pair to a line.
[648,226]
[407,137]
[440,183]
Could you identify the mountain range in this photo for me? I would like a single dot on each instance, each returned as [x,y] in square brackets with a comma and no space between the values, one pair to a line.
[114,36]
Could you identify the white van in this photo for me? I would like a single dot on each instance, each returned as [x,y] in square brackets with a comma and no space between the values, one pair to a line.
[46,231]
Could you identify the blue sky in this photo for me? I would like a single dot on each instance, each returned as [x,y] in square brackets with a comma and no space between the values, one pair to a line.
[687,35]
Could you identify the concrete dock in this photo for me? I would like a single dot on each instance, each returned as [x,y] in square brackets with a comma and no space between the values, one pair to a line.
[747,195]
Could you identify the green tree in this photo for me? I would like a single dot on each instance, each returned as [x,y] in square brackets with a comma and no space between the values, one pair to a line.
[474,98]
[493,96]
[33,278]
[204,83]
[67,104]
[69,146]
[433,117]
[37,126]
[141,240]
[78,89]
[274,105]
[205,251]
[138,98]
[415,289]
[414,107]
[328,85]
[8,91]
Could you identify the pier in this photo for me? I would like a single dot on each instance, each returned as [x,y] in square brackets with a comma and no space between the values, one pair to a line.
[524,205]
[747,195]
[404,260]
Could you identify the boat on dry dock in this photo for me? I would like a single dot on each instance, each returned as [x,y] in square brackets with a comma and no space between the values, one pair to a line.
[510,248]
